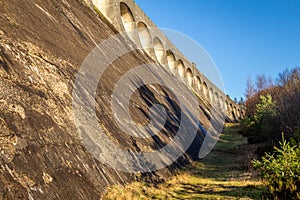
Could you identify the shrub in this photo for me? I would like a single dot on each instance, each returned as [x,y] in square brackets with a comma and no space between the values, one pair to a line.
[274,109]
[261,128]
[281,171]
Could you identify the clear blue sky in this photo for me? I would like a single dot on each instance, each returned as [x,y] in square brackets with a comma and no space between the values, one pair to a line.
[243,37]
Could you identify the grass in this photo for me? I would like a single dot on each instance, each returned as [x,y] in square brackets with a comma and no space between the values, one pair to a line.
[225,173]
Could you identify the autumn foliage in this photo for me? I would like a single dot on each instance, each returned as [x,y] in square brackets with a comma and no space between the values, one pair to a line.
[273,109]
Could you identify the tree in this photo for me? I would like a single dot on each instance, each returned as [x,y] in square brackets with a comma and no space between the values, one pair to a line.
[288,98]
[261,82]
[281,171]
[241,101]
[250,89]
[270,82]
[235,100]
[274,109]
[264,108]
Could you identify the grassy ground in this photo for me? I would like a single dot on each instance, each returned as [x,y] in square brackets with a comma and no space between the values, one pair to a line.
[225,173]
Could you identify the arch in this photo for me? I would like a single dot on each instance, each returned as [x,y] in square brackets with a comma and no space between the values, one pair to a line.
[180,68]
[216,99]
[189,77]
[127,19]
[171,61]
[205,90]
[227,107]
[145,37]
[159,51]
[221,103]
[211,95]
[234,112]
[197,83]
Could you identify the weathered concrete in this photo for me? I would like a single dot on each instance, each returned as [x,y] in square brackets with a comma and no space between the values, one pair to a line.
[42,45]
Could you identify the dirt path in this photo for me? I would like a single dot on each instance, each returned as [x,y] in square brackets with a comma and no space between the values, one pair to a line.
[223,174]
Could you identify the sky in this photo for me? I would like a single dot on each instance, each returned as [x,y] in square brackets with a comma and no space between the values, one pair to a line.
[244,38]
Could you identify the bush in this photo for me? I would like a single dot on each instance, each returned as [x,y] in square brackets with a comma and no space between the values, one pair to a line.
[281,171]
[273,109]
[261,127]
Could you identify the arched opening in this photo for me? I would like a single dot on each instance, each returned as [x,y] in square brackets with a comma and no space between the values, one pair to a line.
[227,107]
[145,37]
[189,77]
[159,51]
[216,99]
[211,95]
[127,20]
[205,90]
[221,102]
[234,112]
[180,67]
[171,61]
[197,83]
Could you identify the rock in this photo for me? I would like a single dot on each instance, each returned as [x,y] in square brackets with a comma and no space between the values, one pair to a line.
[47,178]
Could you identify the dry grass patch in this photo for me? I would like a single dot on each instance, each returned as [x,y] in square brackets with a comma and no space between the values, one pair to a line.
[221,175]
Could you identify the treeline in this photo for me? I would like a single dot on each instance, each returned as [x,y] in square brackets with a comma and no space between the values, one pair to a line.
[273,108]
[273,122]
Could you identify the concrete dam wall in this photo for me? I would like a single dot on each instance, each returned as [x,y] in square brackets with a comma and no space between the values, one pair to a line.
[127,16]
[48,153]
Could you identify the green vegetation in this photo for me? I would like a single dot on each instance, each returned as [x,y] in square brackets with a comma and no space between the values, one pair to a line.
[224,174]
[273,109]
[281,171]
[259,128]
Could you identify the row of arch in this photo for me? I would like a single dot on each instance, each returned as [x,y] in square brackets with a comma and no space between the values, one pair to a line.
[155,48]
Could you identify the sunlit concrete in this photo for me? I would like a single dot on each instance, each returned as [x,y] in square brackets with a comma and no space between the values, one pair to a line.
[181,69]
[159,51]
[189,77]
[171,61]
